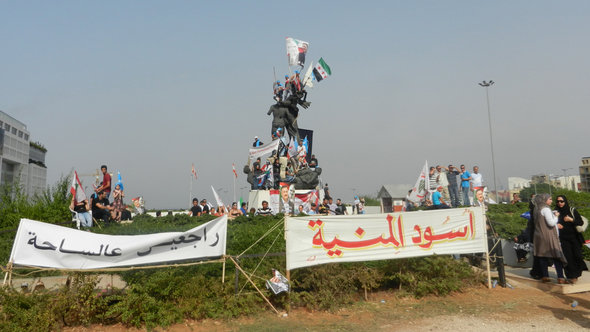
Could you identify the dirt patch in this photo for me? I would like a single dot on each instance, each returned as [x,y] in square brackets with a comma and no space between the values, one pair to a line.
[476,309]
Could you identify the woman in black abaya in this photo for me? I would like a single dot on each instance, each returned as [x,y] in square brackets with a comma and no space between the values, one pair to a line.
[571,240]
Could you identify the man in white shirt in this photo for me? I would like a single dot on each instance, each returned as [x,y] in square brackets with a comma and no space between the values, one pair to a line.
[476,179]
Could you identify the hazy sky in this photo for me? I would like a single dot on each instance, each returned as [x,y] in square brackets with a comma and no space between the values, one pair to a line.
[149,87]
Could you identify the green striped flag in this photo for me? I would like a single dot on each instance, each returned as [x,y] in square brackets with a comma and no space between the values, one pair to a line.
[321,70]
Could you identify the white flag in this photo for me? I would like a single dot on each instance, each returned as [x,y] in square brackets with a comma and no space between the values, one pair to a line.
[217,198]
[307,80]
[422,185]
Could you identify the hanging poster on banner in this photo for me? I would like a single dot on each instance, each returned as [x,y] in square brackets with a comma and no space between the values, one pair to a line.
[357,238]
[47,245]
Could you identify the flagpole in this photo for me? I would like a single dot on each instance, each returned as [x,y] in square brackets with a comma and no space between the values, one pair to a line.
[190,197]
[234,189]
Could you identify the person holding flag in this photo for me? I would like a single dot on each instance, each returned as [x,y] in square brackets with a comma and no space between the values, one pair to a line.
[80,203]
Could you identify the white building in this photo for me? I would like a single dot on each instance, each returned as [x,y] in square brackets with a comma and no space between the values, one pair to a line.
[20,160]
[516,184]
[569,182]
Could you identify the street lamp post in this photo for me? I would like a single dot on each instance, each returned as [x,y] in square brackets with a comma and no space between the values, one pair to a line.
[487,85]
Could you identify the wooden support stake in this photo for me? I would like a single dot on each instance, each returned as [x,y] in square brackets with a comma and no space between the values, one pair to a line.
[288,273]
[8,272]
[253,284]
[223,271]
[289,292]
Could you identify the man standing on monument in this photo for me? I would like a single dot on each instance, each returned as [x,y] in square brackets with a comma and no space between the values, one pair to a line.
[476,179]
[327,192]
[443,181]
[257,142]
[465,184]
[453,187]
[106,182]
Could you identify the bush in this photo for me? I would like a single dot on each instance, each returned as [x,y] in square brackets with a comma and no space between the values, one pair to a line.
[77,303]
[166,296]
[438,275]
[26,312]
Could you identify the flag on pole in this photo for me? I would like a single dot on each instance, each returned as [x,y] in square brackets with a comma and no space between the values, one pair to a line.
[194,172]
[308,77]
[76,189]
[321,70]
[422,185]
[217,198]
[233,166]
[292,149]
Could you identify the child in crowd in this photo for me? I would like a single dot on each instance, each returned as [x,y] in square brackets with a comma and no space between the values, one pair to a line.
[118,202]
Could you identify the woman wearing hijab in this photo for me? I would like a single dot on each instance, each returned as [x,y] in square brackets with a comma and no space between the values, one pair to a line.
[571,240]
[546,238]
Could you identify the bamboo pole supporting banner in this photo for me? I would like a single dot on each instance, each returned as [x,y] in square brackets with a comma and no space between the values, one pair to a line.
[253,284]
[223,271]
[8,274]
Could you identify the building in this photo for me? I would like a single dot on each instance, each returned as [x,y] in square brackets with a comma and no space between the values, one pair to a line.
[585,175]
[392,197]
[569,182]
[21,160]
[516,184]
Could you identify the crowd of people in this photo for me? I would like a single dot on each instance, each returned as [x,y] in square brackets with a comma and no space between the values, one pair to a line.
[554,235]
[293,85]
[98,206]
[450,187]
[327,207]
[282,166]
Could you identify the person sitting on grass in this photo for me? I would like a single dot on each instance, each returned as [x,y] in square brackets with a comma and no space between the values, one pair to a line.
[82,208]
[101,209]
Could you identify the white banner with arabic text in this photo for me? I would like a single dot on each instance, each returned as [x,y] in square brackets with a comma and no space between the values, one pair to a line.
[316,239]
[47,245]
[262,150]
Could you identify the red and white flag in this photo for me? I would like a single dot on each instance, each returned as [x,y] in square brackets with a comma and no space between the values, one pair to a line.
[233,166]
[194,172]
[76,189]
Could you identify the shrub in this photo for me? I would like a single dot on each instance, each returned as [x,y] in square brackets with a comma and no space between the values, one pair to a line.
[77,303]
[438,275]
[26,312]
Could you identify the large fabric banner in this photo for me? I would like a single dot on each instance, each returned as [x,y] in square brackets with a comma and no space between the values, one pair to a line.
[315,240]
[47,245]
[262,150]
